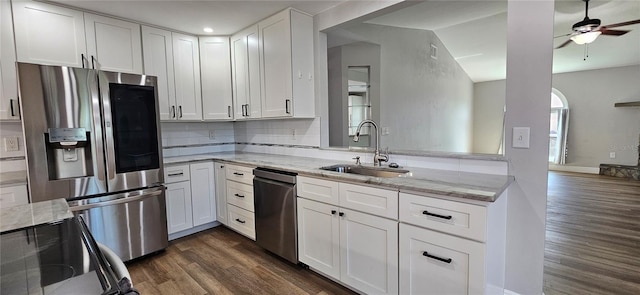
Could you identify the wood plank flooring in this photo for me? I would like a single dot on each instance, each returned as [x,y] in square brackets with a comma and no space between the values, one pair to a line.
[592,235]
[220,261]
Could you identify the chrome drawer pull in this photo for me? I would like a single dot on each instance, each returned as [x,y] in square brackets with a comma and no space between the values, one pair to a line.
[241,221]
[445,260]
[425,212]
[239,174]
[176,174]
[239,196]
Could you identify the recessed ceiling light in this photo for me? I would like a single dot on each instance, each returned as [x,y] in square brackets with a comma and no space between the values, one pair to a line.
[208,30]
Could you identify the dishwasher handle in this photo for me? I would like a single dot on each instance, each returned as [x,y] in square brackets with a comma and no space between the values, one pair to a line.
[276,175]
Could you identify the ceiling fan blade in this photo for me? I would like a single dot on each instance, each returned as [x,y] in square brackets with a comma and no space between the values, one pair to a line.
[631,22]
[606,31]
[565,35]
[564,44]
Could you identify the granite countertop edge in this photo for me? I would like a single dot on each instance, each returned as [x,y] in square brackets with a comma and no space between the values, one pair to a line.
[410,184]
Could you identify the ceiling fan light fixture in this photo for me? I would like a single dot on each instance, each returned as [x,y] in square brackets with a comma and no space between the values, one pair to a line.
[586,38]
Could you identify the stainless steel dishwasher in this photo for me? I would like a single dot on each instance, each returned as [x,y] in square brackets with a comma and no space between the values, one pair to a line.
[275,210]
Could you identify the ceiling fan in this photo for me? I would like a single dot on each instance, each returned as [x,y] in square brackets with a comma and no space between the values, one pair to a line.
[587,30]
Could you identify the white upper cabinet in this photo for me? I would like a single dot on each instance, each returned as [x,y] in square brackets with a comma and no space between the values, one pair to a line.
[286,62]
[8,80]
[53,35]
[245,64]
[113,45]
[158,61]
[215,71]
[186,65]
[47,34]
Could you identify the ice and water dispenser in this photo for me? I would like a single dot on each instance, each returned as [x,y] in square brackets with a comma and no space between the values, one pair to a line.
[68,153]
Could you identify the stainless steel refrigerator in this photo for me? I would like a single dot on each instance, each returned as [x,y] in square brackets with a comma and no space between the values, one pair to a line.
[93,138]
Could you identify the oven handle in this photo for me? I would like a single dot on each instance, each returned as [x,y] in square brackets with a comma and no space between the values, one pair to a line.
[116,201]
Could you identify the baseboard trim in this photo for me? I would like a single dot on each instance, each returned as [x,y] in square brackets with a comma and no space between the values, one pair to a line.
[509,292]
[578,169]
[193,230]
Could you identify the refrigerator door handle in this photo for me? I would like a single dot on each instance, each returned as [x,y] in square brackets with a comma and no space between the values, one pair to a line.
[120,200]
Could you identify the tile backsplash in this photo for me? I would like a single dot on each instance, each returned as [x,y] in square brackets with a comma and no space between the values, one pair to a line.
[196,133]
[298,132]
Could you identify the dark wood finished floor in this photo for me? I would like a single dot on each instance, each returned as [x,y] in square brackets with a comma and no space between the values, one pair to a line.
[593,235]
[220,261]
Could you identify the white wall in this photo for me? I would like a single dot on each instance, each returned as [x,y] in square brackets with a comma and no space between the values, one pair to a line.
[425,103]
[596,127]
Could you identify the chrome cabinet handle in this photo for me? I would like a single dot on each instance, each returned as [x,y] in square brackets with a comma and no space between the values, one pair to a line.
[287,103]
[229,111]
[239,196]
[180,110]
[176,174]
[93,66]
[82,59]
[173,111]
[447,217]
[241,221]
[445,260]
[239,174]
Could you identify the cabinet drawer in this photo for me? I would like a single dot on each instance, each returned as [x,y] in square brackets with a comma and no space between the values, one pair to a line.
[450,217]
[436,263]
[325,191]
[242,221]
[370,200]
[176,173]
[240,194]
[240,174]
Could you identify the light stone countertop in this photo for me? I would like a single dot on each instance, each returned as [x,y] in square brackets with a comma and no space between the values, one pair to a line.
[31,214]
[474,186]
[13,178]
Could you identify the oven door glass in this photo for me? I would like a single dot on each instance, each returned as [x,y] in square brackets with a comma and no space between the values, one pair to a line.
[135,135]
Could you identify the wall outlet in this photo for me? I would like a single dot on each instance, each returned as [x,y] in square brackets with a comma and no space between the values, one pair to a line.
[521,137]
[11,144]
[212,134]
[612,155]
[385,131]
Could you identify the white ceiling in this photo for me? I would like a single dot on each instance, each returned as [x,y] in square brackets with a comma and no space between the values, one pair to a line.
[474,31]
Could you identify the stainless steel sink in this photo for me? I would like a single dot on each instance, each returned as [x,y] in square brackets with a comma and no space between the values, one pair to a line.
[366,170]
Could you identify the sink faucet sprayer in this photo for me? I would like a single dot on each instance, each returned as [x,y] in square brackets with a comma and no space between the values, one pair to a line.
[377,157]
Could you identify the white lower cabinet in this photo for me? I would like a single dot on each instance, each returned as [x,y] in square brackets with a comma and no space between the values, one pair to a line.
[319,236]
[239,197]
[191,198]
[360,250]
[179,215]
[221,192]
[436,263]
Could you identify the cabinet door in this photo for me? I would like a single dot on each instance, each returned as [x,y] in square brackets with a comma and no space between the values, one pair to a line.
[203,191]
[369,252]
[245,64]
[221,192]
[179,216]
[8,80]
[319,236]
[275,57]
[47,34]
[215,70]
[158,61]
[186,65]
[113,45]
[436,263]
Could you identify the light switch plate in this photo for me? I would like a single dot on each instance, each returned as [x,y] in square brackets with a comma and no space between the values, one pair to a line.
[521,137]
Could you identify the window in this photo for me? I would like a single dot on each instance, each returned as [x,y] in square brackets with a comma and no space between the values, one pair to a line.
[558,127]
